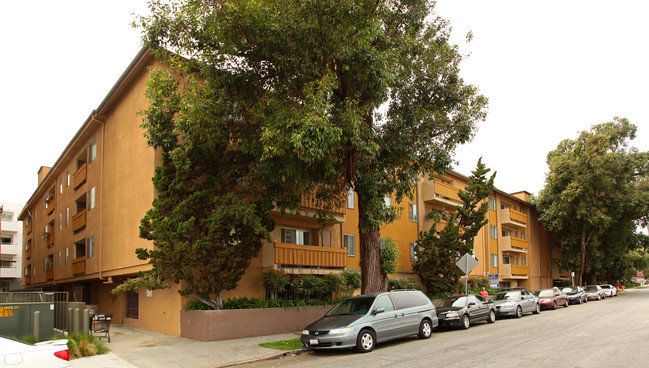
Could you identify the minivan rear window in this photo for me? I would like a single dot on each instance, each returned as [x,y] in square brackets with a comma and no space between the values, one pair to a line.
[409,299]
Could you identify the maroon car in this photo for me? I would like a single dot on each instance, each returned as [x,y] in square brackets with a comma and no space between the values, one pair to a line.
[550,298]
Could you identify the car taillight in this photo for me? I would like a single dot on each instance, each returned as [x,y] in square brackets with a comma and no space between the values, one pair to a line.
[63,354]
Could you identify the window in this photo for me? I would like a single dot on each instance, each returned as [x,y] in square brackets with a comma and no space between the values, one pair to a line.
[60,185]
[58,264]
[60,221]
[90,247]
[7,215]
[504,206]
[92,151]
[294,236]
[350,244]
[524,261]
[549,265]
[91,198]
[492,203]
[506,232]
[68,178]
[388,201]
[541,264]
[494,260]
[7,239]
[506,260]
[540,243]
[523,234]
[493,231]
[67,216]
[67,255]
[412,212]
[132,305]
[350,198]
[413,252]
[383,301]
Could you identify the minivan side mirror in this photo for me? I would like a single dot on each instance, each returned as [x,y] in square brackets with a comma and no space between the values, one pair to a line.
[378,310]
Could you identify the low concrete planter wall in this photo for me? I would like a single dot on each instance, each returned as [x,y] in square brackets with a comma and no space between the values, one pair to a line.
[237,323]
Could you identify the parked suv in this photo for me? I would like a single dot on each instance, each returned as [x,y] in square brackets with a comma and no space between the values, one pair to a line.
[515,302]
[365,320]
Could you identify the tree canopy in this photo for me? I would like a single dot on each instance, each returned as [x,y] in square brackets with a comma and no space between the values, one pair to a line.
[313,96]
[594,195]
[438,251]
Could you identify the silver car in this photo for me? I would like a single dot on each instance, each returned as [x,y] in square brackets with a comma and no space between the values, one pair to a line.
[365,320]
[515,302]
[576,295]
[594,292]
[609,290]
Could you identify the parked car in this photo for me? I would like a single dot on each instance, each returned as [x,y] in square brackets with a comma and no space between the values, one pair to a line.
[594,292]
[53,353]
[576,295]
[365,320]
[462,310]
[550,298]
[609,290]
[515,302]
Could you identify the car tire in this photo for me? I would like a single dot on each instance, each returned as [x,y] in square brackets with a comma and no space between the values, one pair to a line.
[425,329]
[492,316]
[519,312]
[365,341]
[580,301]
[566,304]
[537,309]
[599,297]
[554,305]
[466,322]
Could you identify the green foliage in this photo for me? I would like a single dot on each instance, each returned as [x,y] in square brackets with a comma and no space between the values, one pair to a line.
[389,257]
[408,283]
[297,85]
[333,284]
[285,345]
[247,303]
[438,252]
[352,281]
[82,345]
[594,194]
[275,282]
[196,305]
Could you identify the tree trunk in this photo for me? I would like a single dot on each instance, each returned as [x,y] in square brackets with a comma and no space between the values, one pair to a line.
[215,304]
[372,279]
[580,274]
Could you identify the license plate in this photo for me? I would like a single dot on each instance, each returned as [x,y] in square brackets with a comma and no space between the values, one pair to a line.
[313,342]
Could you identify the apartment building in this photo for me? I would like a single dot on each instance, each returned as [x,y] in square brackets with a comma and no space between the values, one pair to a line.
[10,247]
[81,225]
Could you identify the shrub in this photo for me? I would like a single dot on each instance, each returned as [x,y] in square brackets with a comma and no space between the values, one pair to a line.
[333,284]
[196,305]
[274,282]
[81,345]
[389,257]
[351,281]
[308,285]
[402,284]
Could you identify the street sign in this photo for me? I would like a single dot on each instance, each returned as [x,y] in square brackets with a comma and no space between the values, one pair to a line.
[493,281]
[640,274]
[467,263]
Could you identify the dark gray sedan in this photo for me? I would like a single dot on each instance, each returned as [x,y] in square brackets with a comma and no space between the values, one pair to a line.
[462,310]
[576,295]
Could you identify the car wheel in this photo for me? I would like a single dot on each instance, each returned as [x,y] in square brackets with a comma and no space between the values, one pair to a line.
[599,297]
[554,304]
[466,322]
[566,304]
[537,309]
[425,329]
[492,316]
[519,312]
[580,301]
[365,341]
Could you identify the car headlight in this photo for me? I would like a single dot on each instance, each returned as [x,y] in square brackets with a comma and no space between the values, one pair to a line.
[451,315]
[305,332]
[341,330]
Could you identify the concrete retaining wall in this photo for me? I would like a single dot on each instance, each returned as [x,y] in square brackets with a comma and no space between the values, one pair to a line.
[233,324]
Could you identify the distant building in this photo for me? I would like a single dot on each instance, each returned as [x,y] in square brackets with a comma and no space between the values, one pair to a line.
[11,247]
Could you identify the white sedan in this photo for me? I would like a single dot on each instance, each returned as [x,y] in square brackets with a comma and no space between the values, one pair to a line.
[609,290]
[17,354]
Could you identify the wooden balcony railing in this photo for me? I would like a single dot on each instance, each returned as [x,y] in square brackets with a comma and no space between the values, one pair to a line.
[80,176]
[79,265]
[28,253]
[49,273]
[50,204]
[28,279]
[310,255]
[49,239]
[514,244]
[79,220]
[28,228]
[309,202]
[512,271]
[513,218]
[438,191]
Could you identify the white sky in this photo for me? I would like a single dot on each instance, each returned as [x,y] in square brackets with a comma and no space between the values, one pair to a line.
[549,68]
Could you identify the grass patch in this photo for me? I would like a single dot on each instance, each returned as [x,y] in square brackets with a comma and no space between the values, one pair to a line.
[286,345]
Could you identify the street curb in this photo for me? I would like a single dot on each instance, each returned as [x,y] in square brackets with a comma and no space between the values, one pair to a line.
[259,359]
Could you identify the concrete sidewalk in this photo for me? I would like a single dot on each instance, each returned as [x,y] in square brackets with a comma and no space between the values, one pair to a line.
[132,347]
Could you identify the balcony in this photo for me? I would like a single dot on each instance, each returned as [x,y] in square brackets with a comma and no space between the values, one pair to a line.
[49,273]
[28,253]
[512,271]
[49,239]
[439,227]
[28,228]
[514,244]
[79,220]
[9,249]
[80,176]
[513,218]
[309,202]
[310,256]
[79,265]
[436,191]
[27,279]
[49,205]
[11,271]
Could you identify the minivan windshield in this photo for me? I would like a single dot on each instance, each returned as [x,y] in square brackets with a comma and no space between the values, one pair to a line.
[359,305]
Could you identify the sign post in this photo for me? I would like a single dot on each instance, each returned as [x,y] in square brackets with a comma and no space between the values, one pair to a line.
[466,264]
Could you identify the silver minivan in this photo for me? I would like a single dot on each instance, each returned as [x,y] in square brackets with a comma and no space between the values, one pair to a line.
[365,320]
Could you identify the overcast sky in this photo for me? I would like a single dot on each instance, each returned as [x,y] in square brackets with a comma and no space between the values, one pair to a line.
[549,68]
